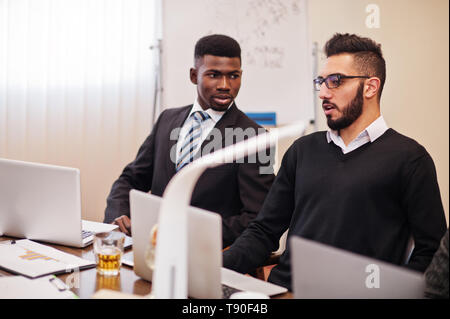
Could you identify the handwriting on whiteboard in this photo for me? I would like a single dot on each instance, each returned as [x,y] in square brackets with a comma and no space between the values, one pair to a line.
[256,25]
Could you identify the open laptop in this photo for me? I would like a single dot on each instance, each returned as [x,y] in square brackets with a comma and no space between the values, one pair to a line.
[43,202]
[322,271]
[206,277]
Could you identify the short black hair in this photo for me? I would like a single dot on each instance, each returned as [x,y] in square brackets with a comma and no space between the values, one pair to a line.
[218,45]
[366,52]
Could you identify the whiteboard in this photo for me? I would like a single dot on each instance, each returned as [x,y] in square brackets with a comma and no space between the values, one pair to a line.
[276,52]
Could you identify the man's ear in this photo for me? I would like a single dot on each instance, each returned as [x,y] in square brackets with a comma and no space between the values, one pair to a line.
[193,75]
[372,87]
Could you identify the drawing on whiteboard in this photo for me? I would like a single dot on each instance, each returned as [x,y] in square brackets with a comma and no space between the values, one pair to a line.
[268,13]
[268,18]
[267,56]
[276,53]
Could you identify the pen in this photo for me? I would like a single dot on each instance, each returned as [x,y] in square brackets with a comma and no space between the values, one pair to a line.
[8,242]
[58,284]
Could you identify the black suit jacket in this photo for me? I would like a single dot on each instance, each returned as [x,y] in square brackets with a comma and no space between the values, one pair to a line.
[236,191]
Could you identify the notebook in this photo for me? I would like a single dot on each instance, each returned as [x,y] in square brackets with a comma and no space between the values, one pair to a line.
[31,259]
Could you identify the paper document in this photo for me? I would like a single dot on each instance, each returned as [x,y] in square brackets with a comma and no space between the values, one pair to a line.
[246,283]
[33,260]
[97,227]
[48,287]
[128,259]
[128,242]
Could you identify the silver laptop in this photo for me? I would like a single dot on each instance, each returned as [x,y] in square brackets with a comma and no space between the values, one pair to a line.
[206,277]
[326,272]
[43,202]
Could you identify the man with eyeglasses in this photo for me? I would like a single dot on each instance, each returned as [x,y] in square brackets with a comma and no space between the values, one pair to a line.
[360,186]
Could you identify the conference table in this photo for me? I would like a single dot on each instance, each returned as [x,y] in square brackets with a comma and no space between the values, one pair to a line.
[86,282]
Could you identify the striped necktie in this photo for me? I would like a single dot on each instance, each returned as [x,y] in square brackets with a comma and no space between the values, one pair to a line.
[192,139]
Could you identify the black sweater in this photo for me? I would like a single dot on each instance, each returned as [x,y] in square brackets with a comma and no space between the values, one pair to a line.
[368,201]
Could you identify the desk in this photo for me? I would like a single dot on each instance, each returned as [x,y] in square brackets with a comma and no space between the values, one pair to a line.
[89,281]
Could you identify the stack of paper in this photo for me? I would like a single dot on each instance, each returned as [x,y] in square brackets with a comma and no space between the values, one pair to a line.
[33,260]
[48,287]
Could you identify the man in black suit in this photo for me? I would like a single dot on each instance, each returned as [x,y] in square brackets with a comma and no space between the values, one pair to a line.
[236,190]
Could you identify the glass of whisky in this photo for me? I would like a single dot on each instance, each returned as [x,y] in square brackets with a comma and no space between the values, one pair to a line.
[108,250]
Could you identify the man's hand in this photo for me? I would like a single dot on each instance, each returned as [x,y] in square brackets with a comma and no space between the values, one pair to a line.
[124,223]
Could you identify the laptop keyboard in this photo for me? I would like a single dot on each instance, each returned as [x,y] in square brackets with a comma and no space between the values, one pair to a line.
[227,291]
[85,234]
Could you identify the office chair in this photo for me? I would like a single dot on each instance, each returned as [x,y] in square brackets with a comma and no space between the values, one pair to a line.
[273,259]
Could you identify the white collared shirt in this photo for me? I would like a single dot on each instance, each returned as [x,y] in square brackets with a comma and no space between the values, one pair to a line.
[370,134]
[207,126]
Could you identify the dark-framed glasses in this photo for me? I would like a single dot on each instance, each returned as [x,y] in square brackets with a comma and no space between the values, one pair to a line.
[334,80]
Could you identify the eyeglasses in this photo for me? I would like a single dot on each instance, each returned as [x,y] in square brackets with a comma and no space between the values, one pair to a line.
[334,80]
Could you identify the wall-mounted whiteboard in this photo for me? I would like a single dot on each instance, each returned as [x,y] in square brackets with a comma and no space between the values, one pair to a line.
[276,52]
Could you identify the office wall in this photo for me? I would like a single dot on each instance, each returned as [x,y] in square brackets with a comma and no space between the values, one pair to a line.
[414,37]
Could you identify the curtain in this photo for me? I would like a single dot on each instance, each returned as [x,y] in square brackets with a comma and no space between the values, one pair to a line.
[77,83]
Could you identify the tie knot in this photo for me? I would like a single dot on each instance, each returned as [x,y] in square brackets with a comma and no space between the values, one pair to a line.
[200,116]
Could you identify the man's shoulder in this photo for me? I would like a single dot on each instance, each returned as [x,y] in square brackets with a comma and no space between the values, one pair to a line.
[402,143]
[315,138]
[314,142]
[243,121]
[172,111]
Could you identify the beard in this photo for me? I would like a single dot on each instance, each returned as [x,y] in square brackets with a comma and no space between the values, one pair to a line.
[350,114]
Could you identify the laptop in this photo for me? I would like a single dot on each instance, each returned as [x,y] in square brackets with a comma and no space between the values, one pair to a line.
[206,276]
[326,272]
[43,202]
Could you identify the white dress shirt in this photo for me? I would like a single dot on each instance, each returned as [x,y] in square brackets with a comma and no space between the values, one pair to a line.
[207,125]
[370,134]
